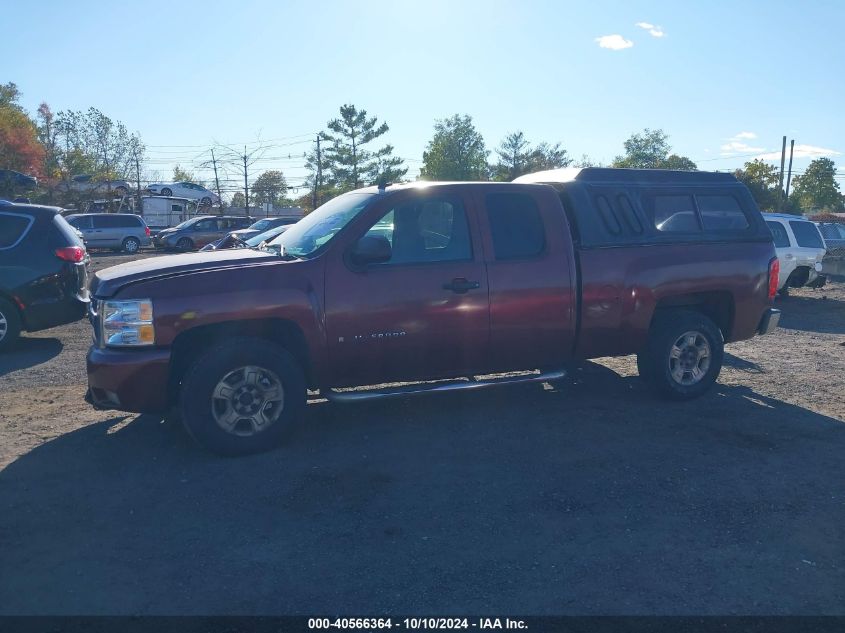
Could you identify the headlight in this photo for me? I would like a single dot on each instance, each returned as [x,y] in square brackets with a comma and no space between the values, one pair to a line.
[127,323]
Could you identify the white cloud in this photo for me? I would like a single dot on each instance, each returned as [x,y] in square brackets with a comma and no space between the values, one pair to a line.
[744,135]
[802,151]
[653,30]
[614,42]
[738,147]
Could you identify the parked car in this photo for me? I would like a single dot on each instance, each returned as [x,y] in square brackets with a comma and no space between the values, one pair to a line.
[834,237]
[233,241]
[43,271]
[438,281]
[86,183]
[14,180]
[264,224]
[189,190]
[118,231]
[199,231]
[800,250]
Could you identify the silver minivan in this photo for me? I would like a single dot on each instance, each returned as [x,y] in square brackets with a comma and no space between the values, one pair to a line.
[118,231]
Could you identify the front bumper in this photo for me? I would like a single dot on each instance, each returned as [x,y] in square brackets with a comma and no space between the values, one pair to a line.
[769,322]
[128,380]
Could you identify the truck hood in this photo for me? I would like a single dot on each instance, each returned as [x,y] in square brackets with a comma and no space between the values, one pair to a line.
[108,281]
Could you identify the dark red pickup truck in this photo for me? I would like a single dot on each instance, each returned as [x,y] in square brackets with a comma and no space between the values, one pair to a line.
[434,281]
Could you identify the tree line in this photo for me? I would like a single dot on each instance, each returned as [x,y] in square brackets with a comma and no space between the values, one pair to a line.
[352,154]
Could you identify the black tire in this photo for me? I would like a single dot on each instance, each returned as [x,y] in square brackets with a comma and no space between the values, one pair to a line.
[200,410]
[167,191]
[185,244]
[131,245]
[10,325]
[690,375]
[206,202]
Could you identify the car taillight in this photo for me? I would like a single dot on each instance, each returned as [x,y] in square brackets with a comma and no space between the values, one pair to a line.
[774,274]
[73,254]
[147,231]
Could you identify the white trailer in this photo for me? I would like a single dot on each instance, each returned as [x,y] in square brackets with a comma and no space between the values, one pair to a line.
[161,212]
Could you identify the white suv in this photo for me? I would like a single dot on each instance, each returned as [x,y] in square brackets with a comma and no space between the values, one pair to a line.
[800,249]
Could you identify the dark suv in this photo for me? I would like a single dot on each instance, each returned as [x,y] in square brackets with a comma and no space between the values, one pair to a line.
[43,271]
[199,231]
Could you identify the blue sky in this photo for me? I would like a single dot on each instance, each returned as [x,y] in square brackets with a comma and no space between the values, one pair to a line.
[726,80]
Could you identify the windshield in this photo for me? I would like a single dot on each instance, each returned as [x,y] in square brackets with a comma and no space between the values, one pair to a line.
[261,225]
[182,225]
[318,227]
[255,240]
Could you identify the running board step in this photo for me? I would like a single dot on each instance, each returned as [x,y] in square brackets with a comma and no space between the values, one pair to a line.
[455,385]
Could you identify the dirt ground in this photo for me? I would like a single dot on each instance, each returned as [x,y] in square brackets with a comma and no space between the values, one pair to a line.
[586,497]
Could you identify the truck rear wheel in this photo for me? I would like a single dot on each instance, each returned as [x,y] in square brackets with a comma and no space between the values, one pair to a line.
[683,356]
[242,396]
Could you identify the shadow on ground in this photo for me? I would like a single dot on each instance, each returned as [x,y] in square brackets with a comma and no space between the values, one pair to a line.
[29,352]
[590,497]
[816,313]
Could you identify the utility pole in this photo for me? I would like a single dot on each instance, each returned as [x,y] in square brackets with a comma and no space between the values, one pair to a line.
[138,178]
[246,186]
[216,180]
[789,176]
[780,180]
[317,177]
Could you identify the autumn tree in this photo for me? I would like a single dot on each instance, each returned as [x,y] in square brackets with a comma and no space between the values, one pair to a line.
[455,152]
[270,188]
[20,149]
[817,188]
[651,150]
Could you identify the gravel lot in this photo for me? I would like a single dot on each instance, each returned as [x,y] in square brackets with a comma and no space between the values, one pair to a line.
[590,497]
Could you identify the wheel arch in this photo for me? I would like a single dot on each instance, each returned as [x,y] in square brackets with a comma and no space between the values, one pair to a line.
[187,345]
[718,306]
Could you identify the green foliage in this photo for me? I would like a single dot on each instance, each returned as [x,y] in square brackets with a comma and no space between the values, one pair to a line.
[183,175]
[456,152]
[270,188]
[817,188]
[238,199]
[762,180]
[517,157]
[347,162]
[650,150]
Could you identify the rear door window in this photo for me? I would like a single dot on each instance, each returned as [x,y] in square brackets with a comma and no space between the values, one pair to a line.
[721,213]
[806,234]
[82,222]
[515,226]
[779,234]
[13,228]
[674,214]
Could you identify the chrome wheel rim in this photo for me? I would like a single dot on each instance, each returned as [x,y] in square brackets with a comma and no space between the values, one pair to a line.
[4,326]
[689,358]
[247,401]
[132,246]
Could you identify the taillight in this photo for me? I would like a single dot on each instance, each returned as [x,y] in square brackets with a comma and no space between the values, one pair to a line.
[774,274]
[147,231]
[73,254]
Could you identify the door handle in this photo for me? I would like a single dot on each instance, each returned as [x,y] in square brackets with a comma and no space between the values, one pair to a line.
[460,285]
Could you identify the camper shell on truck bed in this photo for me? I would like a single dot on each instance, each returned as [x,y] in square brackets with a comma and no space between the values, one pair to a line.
[609,207]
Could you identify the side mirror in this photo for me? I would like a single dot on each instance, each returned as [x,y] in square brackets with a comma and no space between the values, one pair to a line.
[371,249]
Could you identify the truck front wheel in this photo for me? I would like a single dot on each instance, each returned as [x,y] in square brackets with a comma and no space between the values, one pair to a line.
[683,356]
[242,396]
